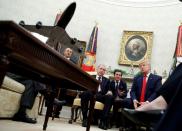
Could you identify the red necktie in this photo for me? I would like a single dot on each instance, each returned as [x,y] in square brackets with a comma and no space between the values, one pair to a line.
[142,97]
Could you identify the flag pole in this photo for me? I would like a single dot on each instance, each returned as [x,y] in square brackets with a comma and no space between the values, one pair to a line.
[178,49]
[90,54]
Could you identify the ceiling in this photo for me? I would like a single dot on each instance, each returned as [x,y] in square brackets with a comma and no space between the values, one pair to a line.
[141,3]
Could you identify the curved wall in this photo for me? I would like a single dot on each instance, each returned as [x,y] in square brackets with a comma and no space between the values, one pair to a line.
[113,17]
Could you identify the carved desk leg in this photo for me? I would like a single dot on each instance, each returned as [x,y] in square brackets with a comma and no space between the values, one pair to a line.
[3,67]
[49,107]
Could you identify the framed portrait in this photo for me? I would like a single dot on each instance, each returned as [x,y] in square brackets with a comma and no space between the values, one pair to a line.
[135,47]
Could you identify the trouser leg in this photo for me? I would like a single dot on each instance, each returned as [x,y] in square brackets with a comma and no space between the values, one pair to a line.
[30,93]
[85,98]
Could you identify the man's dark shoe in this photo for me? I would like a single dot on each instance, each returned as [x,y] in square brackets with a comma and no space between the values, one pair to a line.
[100,124]
[70,121]
[105,126]
[23,118]
[84,123]
[59,103]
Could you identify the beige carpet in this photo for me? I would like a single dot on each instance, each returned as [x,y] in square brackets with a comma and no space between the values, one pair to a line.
[53,125]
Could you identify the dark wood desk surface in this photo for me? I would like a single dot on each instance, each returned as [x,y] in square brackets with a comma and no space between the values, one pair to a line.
[22,53]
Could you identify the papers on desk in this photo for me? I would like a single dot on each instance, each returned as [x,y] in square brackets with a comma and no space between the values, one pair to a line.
[40,37]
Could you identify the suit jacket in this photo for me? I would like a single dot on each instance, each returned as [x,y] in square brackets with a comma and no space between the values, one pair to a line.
[104,85]
[122,87]
[153,84]
[74,59]
[170,86]
[171,120]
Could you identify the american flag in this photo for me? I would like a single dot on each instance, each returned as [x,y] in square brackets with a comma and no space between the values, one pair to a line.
[90,54]
[92,46]
[178,51]
[58,16]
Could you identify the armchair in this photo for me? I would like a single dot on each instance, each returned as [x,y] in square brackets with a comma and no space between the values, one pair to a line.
[10,94]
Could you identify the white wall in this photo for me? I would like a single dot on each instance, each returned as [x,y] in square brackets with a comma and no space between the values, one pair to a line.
[162,20]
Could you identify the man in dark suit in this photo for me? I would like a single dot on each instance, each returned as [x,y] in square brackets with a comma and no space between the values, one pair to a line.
[118,90]
[169,99]
[32,88]
[101,96]
[68,54]
[144,88]
[145,85]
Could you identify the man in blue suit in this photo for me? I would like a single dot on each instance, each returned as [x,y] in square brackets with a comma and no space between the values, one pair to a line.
[145,85]
[169,99]
[144,88]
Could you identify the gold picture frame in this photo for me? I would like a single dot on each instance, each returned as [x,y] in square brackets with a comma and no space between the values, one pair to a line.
[135,47]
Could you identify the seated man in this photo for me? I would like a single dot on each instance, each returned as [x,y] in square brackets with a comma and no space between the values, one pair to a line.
[169,97]
[68,52]
[101,96]
[144,87]
[119,92]
[28,97]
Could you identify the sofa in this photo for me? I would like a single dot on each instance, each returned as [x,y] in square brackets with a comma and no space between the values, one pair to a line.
[10,95]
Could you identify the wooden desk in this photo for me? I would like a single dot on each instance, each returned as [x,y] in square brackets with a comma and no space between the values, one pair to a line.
[22,53]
